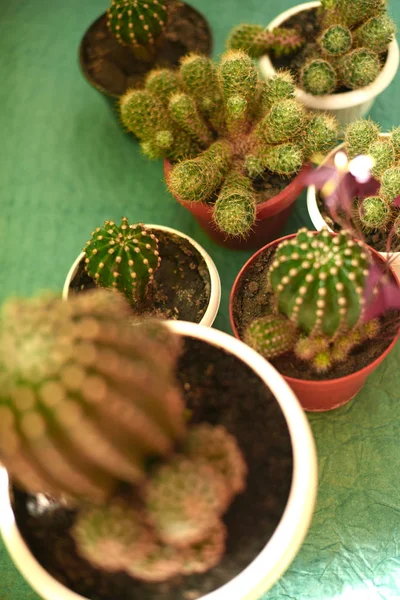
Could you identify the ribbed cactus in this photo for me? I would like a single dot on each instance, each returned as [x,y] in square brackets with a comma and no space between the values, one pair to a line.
[123,257]
[85,400]
[336,40]
[318,77]
[223,127]
[316,282]
[359,68]
[137,23]
[379,212]
[257,41]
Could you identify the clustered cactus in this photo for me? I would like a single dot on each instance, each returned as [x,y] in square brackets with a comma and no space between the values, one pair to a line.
[123,257]
[353,37]
[316,282]
[224,127]
[256,41]
[86,404]
[381,211]
[137,23]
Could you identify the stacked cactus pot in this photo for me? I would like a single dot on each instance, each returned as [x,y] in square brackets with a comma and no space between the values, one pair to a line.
[301,302]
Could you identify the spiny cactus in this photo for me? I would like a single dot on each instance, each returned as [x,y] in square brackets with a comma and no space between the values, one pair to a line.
[137,23]
[336,40]
[318,77]
[379,212]
[84,400]
[316,282]
[359,68]
[224,127]
[257,41]
[124,258]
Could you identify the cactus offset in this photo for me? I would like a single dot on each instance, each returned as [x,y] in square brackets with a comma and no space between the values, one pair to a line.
[271,335]
[374,213]
[223,128]
[359,136]
[85,399]
[124,258]
[318,77]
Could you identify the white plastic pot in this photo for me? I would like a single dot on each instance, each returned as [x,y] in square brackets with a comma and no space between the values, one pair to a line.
[319,222]
[281,548]
[348,106]
[215,282]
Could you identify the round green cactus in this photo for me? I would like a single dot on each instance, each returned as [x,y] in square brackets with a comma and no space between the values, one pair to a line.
[359,68]
[318,281]
[279,87]
[336,40]
[359,136]
[284,120]
[124,258]
[320,135]
[235,208]
[357,11]
[271,335]
[112,536]
[382,153]
[285,159]
[136,22]
[318,77]
[256,41]
[390,184]
[85,400]
[374,213]
[184,500]
[376,33]
[214,445]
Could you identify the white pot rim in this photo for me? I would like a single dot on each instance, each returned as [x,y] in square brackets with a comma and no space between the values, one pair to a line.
[285,542]
[215,282]
[345,99]
[315,214]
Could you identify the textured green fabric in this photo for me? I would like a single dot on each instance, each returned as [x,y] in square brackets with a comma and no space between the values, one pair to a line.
[66,165]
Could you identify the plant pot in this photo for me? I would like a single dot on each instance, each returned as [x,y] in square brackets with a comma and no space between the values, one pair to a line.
[112,69]
[348,106]
[319,222]
[211,310]
[293,472]
[271,215]
[314,395]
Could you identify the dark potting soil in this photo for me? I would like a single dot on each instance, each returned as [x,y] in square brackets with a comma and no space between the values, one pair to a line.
[308,26]
[375,238]
[219,389]
[181,288]
[114,68]
[270,185]
[252,301]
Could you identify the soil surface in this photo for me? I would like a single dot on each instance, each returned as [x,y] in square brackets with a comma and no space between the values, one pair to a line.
[308,26]
[181,288]
[113,68]
[270,185]
[252,301]
[218,389]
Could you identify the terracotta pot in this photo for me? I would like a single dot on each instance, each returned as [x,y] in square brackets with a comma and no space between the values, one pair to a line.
[347,106]
[271,215]
[322,395]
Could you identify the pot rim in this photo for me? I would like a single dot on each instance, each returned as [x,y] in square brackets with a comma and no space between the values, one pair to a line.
[287,538]
[345,99]
[315,214]
[215,282]
[310,382]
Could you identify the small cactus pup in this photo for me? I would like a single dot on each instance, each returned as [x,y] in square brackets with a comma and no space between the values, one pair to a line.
[315,286]
[225,131]
[346,47]
[123,257]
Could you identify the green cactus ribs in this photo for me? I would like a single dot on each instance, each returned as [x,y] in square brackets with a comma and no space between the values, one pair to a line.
[123,257]
[137,22]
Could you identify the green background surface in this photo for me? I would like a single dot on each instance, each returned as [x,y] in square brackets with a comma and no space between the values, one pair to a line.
[66,165]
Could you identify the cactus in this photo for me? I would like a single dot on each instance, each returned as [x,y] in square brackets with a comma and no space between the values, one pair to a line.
[376,33]
[271,335]
[336,40]
[359,68]
[184,500]
[137,23]
[85,400]
[383,155]
[124,258]
[257,41]
[390,184]
[357,11]
[223,128]
[318,77]
[395,138]
[359,136]
[220,450]
[374,213]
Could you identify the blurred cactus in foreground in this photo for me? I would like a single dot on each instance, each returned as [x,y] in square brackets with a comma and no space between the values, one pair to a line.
[224,128]
[91,412]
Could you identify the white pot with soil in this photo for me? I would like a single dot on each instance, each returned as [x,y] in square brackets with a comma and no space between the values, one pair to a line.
[267,522]
[346,106]
[319,222]
[196,293]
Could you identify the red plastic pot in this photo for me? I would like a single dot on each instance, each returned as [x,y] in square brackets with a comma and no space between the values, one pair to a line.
[271,215]
[317,396]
